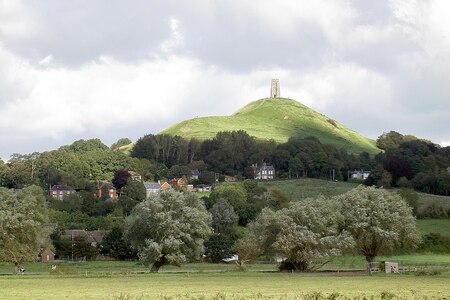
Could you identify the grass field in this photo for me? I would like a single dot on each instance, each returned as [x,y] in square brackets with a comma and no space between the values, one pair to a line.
[277,119]
[345,263]
[131,280]
[298,189]
[303,188]
[229,285]
[440,226]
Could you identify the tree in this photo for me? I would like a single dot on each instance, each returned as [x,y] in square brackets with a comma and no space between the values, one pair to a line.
[120,178]
[389,140]
[276,199]
[22,216]
[234,193]
[114,245]
[87,145]
[307,234]
[412,198]
[223,216]
[220,246]
[120,142]
[135,190]
[378,221]
[166,228]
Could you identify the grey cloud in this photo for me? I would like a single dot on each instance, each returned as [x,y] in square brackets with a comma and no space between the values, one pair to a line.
[230,46]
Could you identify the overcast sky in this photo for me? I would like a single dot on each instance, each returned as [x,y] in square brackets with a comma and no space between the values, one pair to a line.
[111,69]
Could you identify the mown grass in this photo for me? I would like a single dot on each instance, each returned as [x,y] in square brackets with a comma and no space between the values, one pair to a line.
[230,285]
[276,119]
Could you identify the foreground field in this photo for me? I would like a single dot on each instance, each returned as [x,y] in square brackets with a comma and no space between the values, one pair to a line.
[131,280]
[229,285]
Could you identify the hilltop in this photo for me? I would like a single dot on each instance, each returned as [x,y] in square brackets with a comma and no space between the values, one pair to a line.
[277,119]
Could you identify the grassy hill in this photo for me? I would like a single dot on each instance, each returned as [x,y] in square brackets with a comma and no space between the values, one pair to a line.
[277,119]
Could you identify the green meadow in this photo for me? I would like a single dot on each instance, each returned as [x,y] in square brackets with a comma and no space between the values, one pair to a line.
[225,285]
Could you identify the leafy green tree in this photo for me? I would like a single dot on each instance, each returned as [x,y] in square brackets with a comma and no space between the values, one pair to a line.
[71,203]
[127,204]
[224,219]
[234,193]
[22,216]
[220,246]
[276,199]
[389,140]
[386,180]
[135,190]
[207,177]
[307,234]
[378,221]
[114,245]
[87,145]
[3,172]
[412,198]
[166,228]
[120,142]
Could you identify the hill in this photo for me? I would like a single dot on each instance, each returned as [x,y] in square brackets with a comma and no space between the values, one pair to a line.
[277,119]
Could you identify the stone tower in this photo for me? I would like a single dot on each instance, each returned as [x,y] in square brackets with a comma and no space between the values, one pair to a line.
[275,89]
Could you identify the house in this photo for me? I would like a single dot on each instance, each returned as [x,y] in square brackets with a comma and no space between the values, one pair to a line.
[94,237]
[263,172]
[106,186]
[152,187]
[177,183]
[194,174]
[360,175]
[60,191]
[228,178]
[165,186]
[47,256]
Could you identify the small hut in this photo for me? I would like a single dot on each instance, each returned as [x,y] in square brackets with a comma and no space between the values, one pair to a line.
[47,256]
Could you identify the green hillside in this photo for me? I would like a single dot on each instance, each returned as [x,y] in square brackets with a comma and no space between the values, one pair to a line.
[277,119]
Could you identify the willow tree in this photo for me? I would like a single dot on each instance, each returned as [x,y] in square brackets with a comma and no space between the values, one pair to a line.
[167,228]
[22,215]
[378,220]
[306,234]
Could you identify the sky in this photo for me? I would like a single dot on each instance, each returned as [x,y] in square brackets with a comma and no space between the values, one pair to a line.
[110,69]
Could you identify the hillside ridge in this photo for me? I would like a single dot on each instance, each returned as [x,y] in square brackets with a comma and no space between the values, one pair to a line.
[276,119]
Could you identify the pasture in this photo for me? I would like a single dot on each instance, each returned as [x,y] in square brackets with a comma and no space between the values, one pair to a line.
[225,285]
[131,280]
[440,226]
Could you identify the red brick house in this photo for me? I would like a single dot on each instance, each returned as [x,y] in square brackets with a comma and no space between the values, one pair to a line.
[47,256]
[177,183]
[165,185]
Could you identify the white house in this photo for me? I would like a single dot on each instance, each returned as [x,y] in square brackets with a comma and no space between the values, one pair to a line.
[263,172]
[361,175]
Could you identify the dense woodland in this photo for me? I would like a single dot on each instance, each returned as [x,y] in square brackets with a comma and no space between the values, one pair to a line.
[405,162]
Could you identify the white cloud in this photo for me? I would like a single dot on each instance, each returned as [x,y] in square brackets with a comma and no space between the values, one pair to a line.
[176,38]
[68,72]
